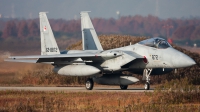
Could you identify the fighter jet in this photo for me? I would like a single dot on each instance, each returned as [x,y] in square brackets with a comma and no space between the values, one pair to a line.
[152,56]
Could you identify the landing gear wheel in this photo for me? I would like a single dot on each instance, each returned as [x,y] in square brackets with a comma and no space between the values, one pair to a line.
[123,87]
[89,84]
[147,86]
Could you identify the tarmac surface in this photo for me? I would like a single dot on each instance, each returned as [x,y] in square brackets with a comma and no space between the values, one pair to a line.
[76,89]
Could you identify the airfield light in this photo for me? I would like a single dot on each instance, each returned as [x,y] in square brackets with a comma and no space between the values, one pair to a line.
[118,14]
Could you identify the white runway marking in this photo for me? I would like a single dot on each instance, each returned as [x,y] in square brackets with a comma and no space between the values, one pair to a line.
[75,89]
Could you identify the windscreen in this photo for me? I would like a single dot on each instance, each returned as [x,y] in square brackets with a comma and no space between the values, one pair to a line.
[156,42]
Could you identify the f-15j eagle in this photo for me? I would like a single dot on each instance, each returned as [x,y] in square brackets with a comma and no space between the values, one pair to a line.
[151,56]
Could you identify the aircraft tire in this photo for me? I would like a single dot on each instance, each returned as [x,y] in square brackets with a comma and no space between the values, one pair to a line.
[123,87]
[147,86]
[89,84]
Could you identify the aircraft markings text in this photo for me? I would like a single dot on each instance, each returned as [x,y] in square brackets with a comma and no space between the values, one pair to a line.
[51,49]
[154,57]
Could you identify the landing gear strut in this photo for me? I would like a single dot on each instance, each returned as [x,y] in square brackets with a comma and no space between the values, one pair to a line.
[89,84]
[146,76]
[123,87]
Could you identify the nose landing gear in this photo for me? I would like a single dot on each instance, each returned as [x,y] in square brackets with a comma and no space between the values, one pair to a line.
[146,76]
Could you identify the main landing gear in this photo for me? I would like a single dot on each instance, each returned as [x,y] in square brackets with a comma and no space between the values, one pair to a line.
[123,87]
[147,86]
[146,76]
[89,84]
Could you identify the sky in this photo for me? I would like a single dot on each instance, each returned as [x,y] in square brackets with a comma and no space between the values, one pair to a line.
[70,9]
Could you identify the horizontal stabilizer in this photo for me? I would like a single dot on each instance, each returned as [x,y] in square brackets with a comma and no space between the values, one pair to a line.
[75,55]
[58,58]
[24,61]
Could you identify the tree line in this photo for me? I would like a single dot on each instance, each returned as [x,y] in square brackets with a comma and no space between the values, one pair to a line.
[177,29]
[20,29]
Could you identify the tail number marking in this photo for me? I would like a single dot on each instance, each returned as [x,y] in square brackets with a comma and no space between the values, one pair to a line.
[155,57]
[51,49]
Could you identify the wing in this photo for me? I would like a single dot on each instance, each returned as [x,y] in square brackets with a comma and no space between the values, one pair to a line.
[72,58]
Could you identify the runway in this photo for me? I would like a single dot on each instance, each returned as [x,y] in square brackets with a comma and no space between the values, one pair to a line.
[76,89]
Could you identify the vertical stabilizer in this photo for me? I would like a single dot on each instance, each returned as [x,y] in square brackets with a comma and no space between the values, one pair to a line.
[90,39]
[48,42]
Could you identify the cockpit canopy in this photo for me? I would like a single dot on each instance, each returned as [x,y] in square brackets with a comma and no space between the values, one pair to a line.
[156,42]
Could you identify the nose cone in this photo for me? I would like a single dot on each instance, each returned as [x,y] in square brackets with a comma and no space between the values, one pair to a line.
[189,61]
[182,60]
